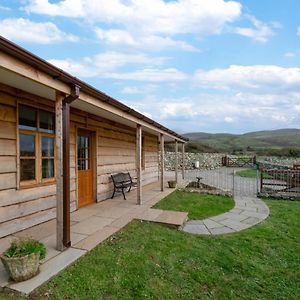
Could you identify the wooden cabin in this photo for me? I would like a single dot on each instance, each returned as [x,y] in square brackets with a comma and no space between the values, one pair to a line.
[61,139]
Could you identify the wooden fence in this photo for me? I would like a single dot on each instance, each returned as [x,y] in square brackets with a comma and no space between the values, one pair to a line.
[239,161]
[275,181]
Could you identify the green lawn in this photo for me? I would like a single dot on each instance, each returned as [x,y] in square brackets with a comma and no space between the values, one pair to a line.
[252,173]
[153,261]
[199,206]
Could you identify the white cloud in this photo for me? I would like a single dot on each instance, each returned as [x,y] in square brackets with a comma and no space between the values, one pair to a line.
[206,111]
[5,8]
[153,75]
[131,90]
[174,108]
[258,77]
[107,65]
[156,16]
[261,31]
[118,37]
[298,31]
[104,62]
[228,120]
[40,33]
[289,54]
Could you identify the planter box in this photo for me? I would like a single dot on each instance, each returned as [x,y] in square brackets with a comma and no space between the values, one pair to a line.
[172,184]
[22,268]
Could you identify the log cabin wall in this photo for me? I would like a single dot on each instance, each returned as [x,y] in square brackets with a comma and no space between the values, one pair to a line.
[115,147]
[21,208]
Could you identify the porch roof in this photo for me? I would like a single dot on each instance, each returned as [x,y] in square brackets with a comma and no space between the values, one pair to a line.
[57,74]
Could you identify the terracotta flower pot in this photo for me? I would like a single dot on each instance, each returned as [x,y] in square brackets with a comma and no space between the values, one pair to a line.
[172,184]
[22,268]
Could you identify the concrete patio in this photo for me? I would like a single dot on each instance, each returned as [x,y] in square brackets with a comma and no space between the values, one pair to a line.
[90,226]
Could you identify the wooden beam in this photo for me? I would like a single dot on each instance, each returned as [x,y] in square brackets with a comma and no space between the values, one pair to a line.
[176,160]
[59,173]
[139,163]
[183,161]
[162,162]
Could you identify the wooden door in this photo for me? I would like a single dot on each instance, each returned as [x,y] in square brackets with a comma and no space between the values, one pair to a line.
[85,167]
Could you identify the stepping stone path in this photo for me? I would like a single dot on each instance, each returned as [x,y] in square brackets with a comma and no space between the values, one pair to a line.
[248,211]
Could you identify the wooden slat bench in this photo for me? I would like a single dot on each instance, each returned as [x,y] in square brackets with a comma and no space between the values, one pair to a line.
[122,181]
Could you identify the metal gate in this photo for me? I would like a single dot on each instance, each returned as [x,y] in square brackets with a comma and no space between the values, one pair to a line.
[227,179]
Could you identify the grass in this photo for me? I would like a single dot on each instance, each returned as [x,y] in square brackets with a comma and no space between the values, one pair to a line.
[152,261]
[252,173]
[198,206]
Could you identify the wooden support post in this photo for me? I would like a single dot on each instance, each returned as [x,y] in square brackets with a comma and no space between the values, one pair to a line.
[139,163]
[62,120]
[176,160]
[183,161]
[66,174]
[59,173]
[162,162]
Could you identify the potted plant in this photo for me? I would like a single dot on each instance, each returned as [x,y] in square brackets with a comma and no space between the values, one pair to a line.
[172,184]
[22,258]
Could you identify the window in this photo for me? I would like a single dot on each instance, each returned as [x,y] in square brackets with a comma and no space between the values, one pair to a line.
[36,144]
[83,155]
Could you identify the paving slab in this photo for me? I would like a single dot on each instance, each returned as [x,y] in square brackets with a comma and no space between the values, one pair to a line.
[172,217]
[123,221]
[96,238]
[48,270]
[4,278]
[261,216]
[235,225]
[91,225]
[233,216]
[195,222]
[196,229]
[221,230]
[236,211]
[112,212]
[251,221]
[150,214]
[211,224]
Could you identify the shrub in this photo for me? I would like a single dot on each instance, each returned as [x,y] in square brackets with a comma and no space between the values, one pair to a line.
[23,247]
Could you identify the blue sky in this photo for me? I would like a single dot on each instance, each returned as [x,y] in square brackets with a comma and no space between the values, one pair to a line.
[192,65]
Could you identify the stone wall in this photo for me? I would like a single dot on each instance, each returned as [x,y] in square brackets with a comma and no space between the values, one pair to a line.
[207,161]
[277,162]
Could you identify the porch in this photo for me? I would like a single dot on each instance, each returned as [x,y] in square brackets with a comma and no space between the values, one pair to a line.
[90,226]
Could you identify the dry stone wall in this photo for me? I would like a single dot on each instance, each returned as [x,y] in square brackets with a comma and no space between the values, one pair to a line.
[207,161]
[277,162]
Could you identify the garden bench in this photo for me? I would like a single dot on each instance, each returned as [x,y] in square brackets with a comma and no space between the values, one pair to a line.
[122,181]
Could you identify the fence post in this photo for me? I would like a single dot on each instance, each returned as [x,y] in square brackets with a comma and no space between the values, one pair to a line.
[261,179]
[257,180]
[233,181]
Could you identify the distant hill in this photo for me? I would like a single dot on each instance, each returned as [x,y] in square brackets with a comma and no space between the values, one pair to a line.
[251,141]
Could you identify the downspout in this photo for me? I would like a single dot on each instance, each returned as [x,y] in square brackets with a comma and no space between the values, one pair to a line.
[75,89]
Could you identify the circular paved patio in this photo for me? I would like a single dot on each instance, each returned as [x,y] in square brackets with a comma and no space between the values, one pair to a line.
[247,212]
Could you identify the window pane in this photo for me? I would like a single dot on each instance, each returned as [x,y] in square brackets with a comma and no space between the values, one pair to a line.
[48,168]
[47,122]
[27,169]
[27,145]
[47,146]
[27,118]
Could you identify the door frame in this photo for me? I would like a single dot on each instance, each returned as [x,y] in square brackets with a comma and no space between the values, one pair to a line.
[93,132]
